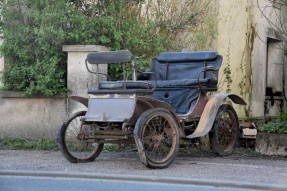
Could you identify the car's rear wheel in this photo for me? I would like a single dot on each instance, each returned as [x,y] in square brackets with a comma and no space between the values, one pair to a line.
[225,131]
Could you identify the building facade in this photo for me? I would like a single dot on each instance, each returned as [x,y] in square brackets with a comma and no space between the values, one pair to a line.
[252,42]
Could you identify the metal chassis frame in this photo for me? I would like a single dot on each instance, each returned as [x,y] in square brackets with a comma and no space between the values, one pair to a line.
[204,111]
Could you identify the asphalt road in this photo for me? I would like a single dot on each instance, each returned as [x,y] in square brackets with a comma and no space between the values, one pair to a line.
[51,182]
[123,170]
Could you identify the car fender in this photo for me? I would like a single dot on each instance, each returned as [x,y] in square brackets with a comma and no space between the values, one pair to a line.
[209,113]
[82,100]
[144,103]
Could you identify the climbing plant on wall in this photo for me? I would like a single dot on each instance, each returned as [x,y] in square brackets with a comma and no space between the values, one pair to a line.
[34,32]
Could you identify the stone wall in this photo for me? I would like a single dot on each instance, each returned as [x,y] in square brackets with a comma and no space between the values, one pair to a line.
[34,118]
[271,144]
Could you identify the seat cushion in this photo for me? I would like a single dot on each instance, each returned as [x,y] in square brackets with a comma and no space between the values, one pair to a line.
[187,56]
[125,84]
[153,84]
[180,83]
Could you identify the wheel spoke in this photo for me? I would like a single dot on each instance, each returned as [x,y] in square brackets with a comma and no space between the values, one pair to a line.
[225,133]
[73,144]
[156,139]
[159,136]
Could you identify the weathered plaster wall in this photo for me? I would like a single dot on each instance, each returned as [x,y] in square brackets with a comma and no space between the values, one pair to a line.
[242,40]
[235,44]
[31,117]
[273,53]
[284,10]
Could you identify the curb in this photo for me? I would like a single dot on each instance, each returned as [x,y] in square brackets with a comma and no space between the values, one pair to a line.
[149,179]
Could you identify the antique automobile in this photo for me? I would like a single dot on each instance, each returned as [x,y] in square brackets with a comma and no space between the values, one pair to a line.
[154,110]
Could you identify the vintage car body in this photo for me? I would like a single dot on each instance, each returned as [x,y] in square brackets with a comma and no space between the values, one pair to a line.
[154,110]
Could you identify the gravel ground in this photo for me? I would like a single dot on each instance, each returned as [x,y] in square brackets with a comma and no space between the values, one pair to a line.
[199,165]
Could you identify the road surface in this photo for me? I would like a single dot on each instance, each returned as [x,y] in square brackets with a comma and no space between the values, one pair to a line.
[123,170]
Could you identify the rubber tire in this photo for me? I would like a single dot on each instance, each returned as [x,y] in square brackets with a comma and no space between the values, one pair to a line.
[216,147]
[138,131]
[62,144]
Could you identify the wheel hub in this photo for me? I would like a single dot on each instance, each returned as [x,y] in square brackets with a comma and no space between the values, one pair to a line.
[157,140]
[81,137]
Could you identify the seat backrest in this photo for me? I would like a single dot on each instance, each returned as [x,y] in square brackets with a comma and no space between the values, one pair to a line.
[186,65]
[180,66]
[110,57]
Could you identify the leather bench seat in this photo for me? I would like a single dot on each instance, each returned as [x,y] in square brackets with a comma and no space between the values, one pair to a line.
[153,84]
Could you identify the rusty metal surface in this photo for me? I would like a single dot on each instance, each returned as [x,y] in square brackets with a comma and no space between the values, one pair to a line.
[121,107]
[196,111]
[148,102]
[110,108]
[236,99]
[210,111]
[119,141]
[82,100]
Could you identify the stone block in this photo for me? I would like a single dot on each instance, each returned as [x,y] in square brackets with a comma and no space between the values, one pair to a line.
[271,144]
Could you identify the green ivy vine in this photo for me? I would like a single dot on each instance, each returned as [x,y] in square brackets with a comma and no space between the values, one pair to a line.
[227,71]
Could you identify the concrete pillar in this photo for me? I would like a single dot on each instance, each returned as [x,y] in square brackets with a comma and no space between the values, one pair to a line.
[79,80]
